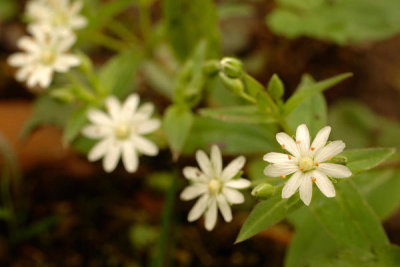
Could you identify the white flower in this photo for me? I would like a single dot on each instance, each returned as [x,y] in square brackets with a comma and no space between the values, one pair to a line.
[215,186]
[44,53]
[121,132]
[306,162]
[56,13]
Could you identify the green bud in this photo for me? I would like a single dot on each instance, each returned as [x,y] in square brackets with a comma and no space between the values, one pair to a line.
[235,85]
[211,67]
[275,87]
[63,94]
[232,67]
[264,190]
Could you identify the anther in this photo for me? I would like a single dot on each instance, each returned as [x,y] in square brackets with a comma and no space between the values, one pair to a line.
[301,169]
[289,157]
[316,164]
[298,142]
[313,179]
[283,146]
[329,158]
[283,176]
[312,148]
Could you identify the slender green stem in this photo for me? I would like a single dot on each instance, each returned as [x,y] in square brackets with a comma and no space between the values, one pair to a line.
[145,24]
[166,222]
[122,31]
[109,42]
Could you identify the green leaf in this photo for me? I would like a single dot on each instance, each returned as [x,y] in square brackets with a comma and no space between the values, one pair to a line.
[349,219]
[8,9]
[187,22]
[234,138]
[299,96]
[364,159]
[74,125]
[46,110]
[276,88]
[241,114]
[339,21]
[258,93]
[312,111]
[267,213]
[101,14]
[177,124]
[116,76]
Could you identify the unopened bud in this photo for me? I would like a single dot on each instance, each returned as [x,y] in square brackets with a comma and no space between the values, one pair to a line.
[232,67]
[235,85]
[211,67]
[263,190]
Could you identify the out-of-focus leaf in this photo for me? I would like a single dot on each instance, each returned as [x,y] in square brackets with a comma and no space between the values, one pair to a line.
[142,236]
[349,219]
[364,159]
[37,228]
[177,123]
[299,96]
[312,111]
[8,8]
[158,78]
[267,213]
[233,138]
[187,22]
[47,111]
[241,114]
[74,125]
[339,21]
[116,77]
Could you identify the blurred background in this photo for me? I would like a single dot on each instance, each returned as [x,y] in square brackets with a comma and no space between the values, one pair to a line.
[60,210]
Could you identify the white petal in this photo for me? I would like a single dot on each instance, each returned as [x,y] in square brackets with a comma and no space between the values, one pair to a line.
[66,42]
[238,183]
[23,73]
[46,76]
[65,62]
[306,189]
[329,151]
[148,126]
[274,157]
[99,150]
[130,105]
[145,146]
[204,163]
[233,168]
[320,139]
[334,170]
[279,169]
[288,143]
[113,107]
[211,215]
[193,173]
[303,138]
[323,183]
[144,111]
[193,191]
[78,22]
[233,196]
[95,131]
[292,185]
[98,117]
[216,160]
[198,208]
[18,59]
[110,160]
[224,208]
[129,157]
[28,44]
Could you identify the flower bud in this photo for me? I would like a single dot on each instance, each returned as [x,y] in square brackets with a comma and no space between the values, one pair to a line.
[235,85]
[211,67]
[232,67]
[264,190]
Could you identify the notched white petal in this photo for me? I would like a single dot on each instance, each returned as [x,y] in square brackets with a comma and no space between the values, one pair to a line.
[280,169]
[204,163]
[288,144]
[198,208]
[292,185]
[233,168]
[211,215]
[224,208]
[216,160]
[274,157]
[306,189]
[233,196]
[334,170]
[329,151]
[193,191]
[303,138]
[323,183]
[238,183]
[320,139]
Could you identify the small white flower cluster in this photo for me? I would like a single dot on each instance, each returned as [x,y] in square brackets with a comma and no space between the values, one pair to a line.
[52,35]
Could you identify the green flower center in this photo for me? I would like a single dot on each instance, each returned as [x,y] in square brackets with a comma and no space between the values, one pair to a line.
[306,164]
[122,131]
[214,186]
[48,57]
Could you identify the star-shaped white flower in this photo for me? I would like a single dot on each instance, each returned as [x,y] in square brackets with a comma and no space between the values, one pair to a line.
[61,14]
[121,132]
[306,163]
[215,186]
[44,53]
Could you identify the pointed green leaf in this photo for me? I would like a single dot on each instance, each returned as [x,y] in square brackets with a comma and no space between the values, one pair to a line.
[267,213]
[242,114]
[276,88]
[364,159]
[74,125]
[301,95]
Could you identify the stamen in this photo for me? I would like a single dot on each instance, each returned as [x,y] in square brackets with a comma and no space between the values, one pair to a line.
[316,164]
[298,142]
[289,157]
[329,158]
[312,148]
[283,146]
[313,179]
[301,169]
[283,176]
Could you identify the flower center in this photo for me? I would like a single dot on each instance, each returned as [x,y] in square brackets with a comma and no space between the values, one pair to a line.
[122,131]
[214,186]
[306,164]
[48,57]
